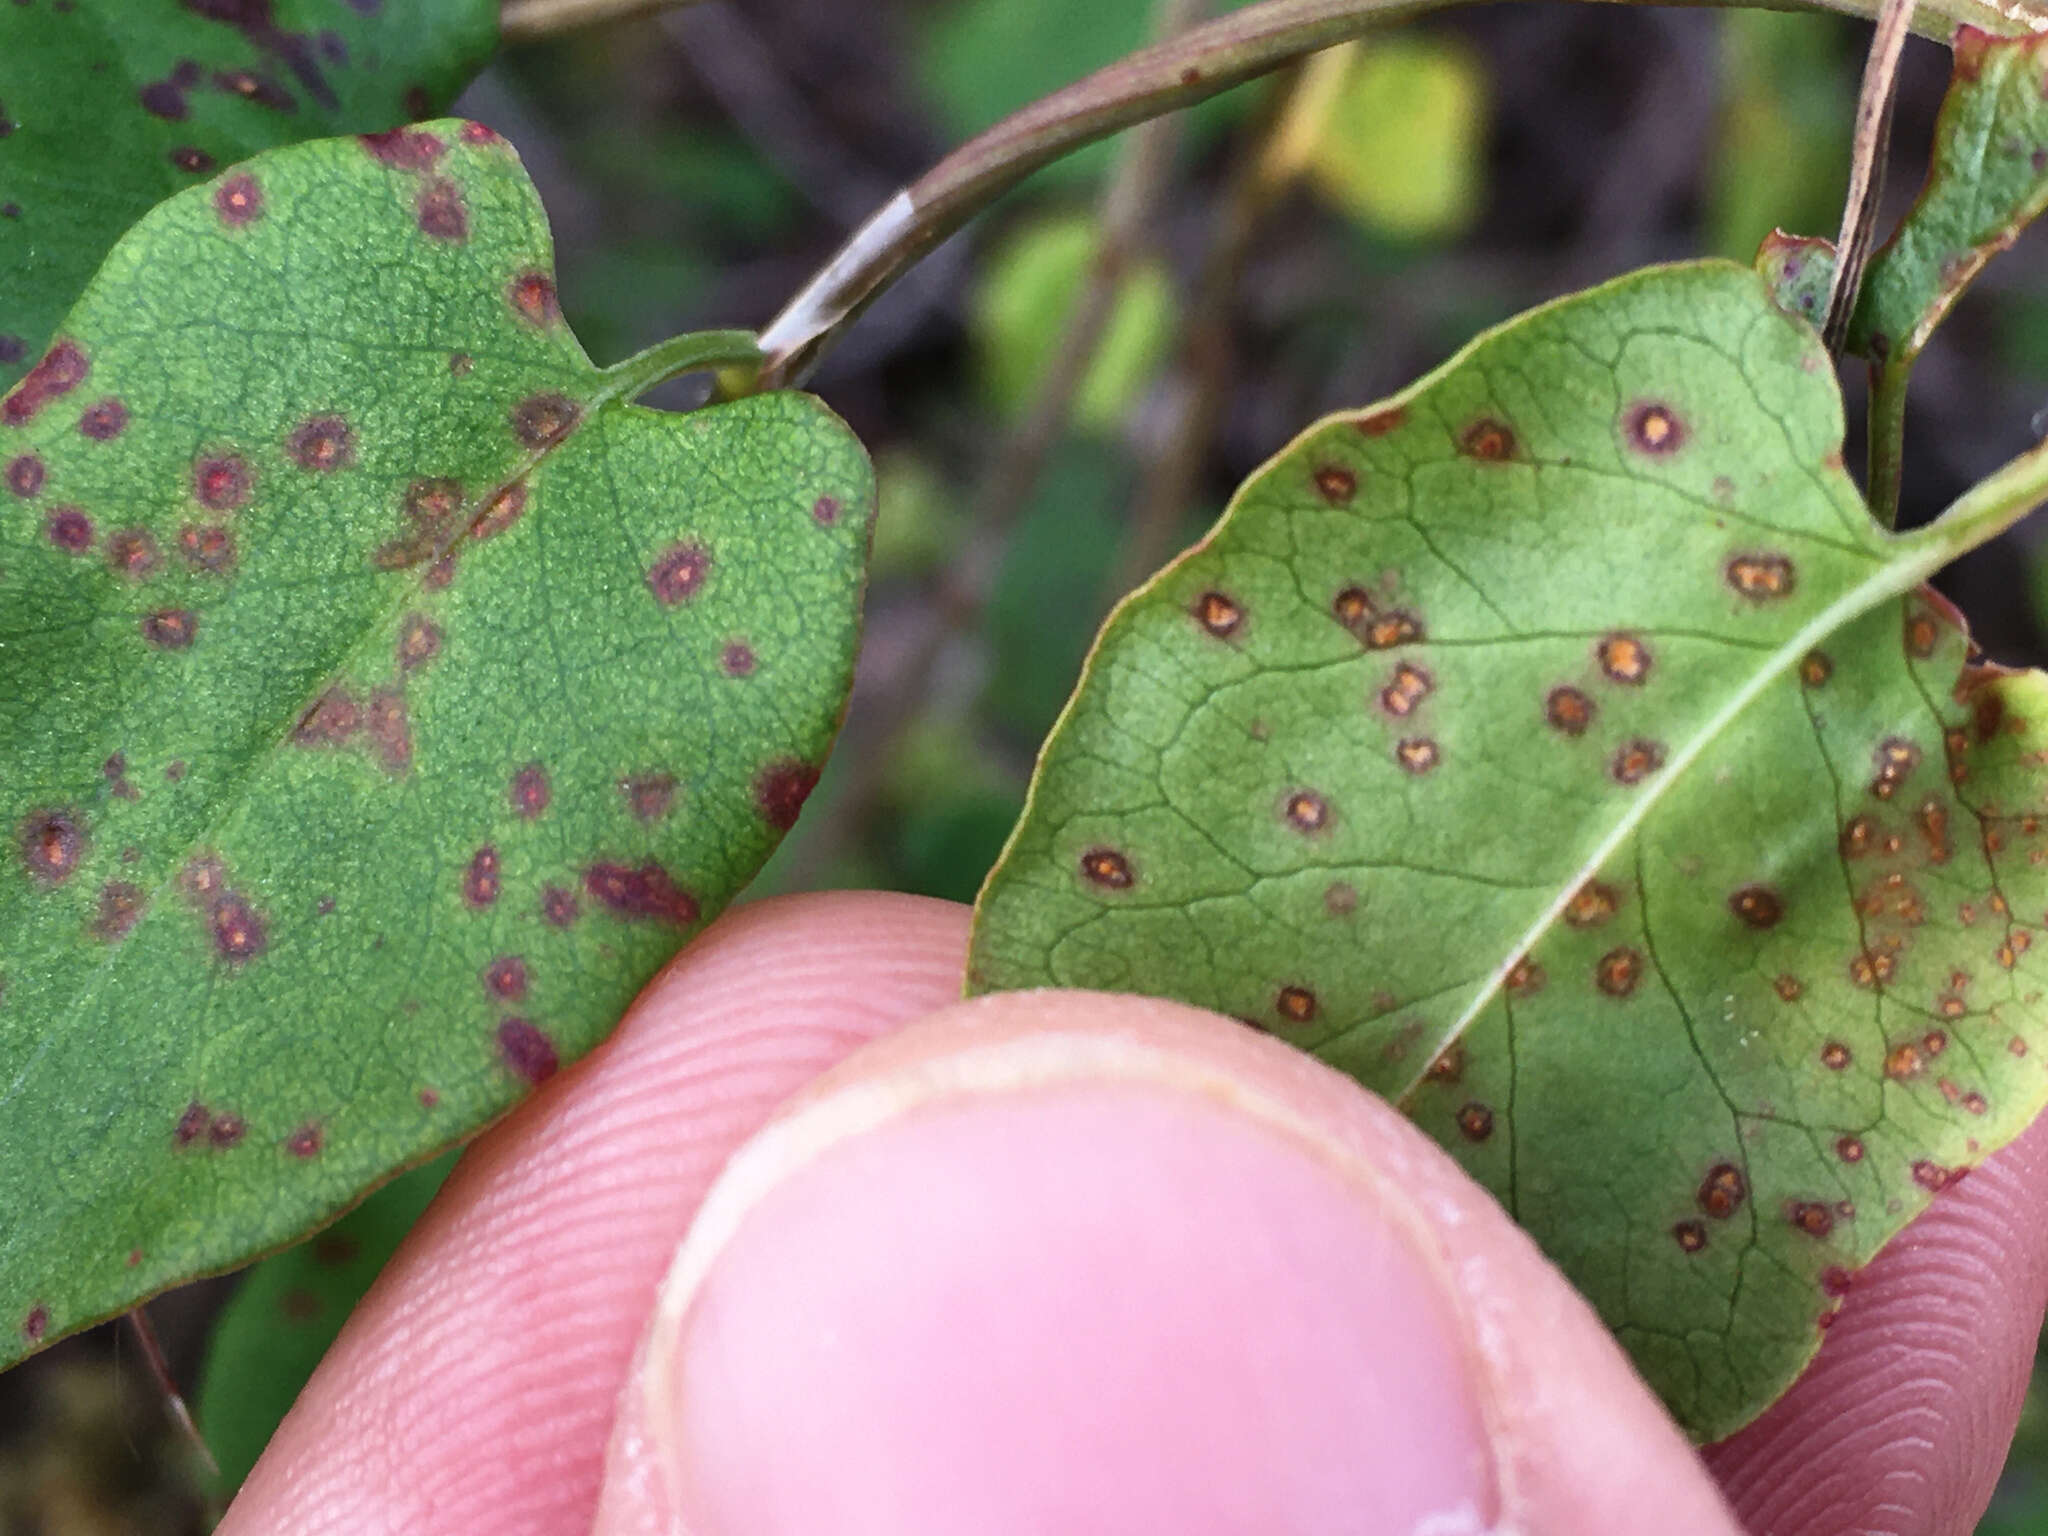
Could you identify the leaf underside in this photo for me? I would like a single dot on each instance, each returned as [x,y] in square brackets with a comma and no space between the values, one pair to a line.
[109,106]
[1562,751]
[382,700]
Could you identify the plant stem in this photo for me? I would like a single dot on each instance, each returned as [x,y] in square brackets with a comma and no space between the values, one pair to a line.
[524,21]
[1887,432]
[692,353]
[1163,78]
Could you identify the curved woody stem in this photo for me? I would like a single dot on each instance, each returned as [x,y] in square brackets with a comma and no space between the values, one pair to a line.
[1163,78]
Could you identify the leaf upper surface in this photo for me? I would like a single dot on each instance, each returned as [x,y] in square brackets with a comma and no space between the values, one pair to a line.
[1561,750]
[382,700]
[109,106]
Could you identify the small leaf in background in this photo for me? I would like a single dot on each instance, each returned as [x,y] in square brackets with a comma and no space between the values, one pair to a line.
[1403,144]
[383,698]
[1986,181]
[919,520]
[1560,749]
[1783,140]
[1020,315]
[109,106]
[286,1312]
[1799,270]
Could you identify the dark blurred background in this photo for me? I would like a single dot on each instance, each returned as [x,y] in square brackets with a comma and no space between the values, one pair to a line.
[1309,242]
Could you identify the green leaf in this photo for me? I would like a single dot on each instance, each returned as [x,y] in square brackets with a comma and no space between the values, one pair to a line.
[109,106]
[1986,181]
[1561,750]
[382,700]
[288,1310]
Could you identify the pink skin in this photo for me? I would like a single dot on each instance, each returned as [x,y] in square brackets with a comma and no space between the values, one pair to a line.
[1070,1262]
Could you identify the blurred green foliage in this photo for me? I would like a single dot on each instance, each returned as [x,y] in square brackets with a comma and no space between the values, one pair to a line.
[1402,147]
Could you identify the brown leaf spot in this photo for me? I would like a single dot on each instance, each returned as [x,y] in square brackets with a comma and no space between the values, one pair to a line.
[1475,1121]
[1932,1177]
[440,212]
[1691,1236]
[1568,710]
[331,720]
[52,842]
[649,796]
[1218,614]
[780,790]
[389,729]
[1975,1103]
[1903,1062]
[1635,761]
[1758,906]
[1813,1217]
[1379,423]
[1449,1066]
[306,1142]
[1409,686]
[558,907]
[1336,483]
[220,483]
[505,977]
[132,552]
[1619,971]
[1722,1191]
[1624,658]
[1418,754]
[25,475]
[70,530]
[121,906]
[527,1051]
[1934,1042]
[1392,628]
[170,629]
[678,573]
[1297,1005]
[1815,668]
[1932,821]
[322,444]
[62,369]
[192,1124]
[208,550]
[737,659]
[501,511]
[1789,987]
[541,421]
[1107,868]
[1592,904]
[239,932]
[1654,428]
[103,420]
[238,201]
[1860,835]
[419,642]
[530,791]
[227,1130]
[481,881]
[1872,968]
[192,160]
[1306,811]
[1340,898]
[532,297]
[1761,577]
[1525,978]
[825,511]
[1489,440]
[1895,759]
[1849,1149]
[36,1324]
[404,149]
[1835,1056]
[1922,633]
[647,892]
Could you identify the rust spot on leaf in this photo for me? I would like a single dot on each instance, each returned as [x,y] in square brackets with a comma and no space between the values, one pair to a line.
[1722,1191]
[1336,483]
[1409,686]
[646,892]
[227,1130]
[781,789]
[220,482]
[737,659]
[1849,1149]
[1525,978]
[70,530]
[527,1051]
[404,149]
[1895,760]
[649,796]
[1903,1062]
[1568,710]
[1218,614]
[132,552]
[121,907]
[1813,1217]
[825,511]
[1306,811]
[1636,760]
[239,932]
[1922,633]
[481,881]
[1762,577]
[1654,428]
[1691,1236]
[322,444]
[1475,1121]
[530,791]
[1789,987]
[1592,904]
[389,729]
[306,1142]
[1297,1005]
[1449,1066]
[540,421]
[1489,440]
[25,474]
[1835,1056]
[505,977]
[501,511]
[419,642]
[532,297]
[1623,657]
[558,907]
[238,201]
[36,1324]
[103,420]
[52,842]
[678,573]
[1758,906]
[1107,868]
[1815,668]
[1379,423]
[170,629]
[62,369]
[1418,754]
[1619,971]
[209,550]
[1932,1177]
[440,211]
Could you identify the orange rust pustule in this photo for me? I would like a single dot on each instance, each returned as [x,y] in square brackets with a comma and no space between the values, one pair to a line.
[1722,1191]
[1475,1121]
[221,482]
[1379,423]
[532,297]
[530,792]
[501,511]
[69,529]
[1306,811]
[1219,614]
[1418,755]
[505,978]
[679,572]
[1761,577]
[132,553]
[1489,440]
[1408,687]
[239,931]
[646,892]
[238,201]
[1758,906]
[1849,1149]
[1813,1217]
[1788,987]
[558,906]
[170,629]
[208,548]
[1107,868]
[1895,760]
[1569,710]
[1691,1236]
[121,907]
[1619,971]
[1835,1056]
[1654,428]
[1634,761]
[1297,1005]
[1815,668]
[1336,484]
[1624,658]
[1592,904]
[403,149]
[103,420]
[419,642]
[62,369]
[1922,632]
[52,842]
